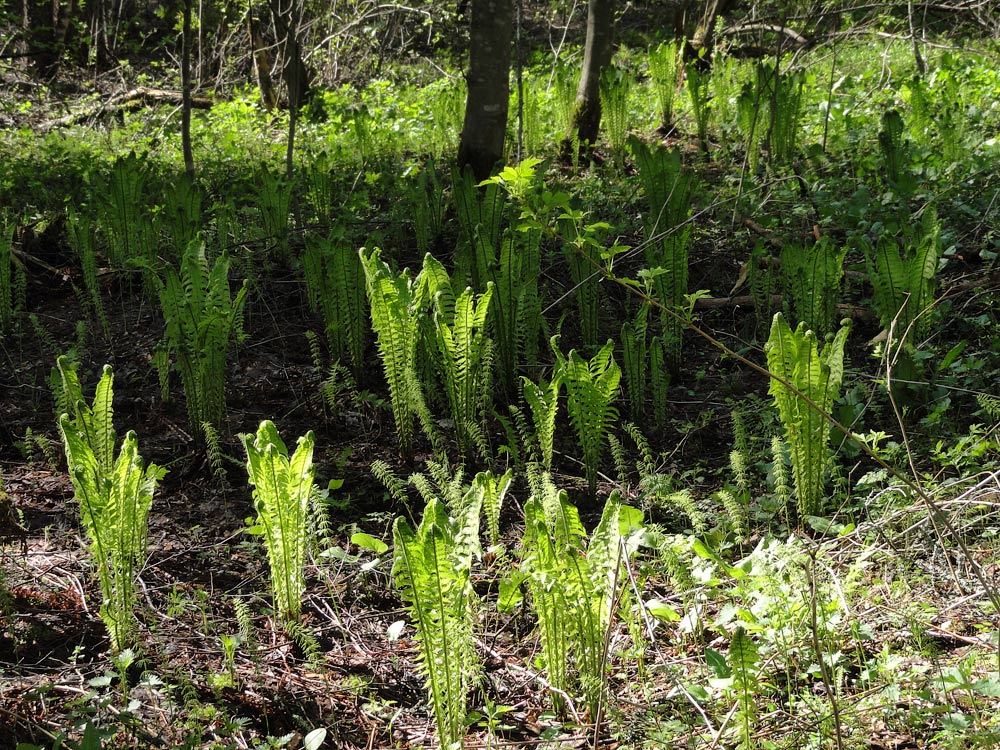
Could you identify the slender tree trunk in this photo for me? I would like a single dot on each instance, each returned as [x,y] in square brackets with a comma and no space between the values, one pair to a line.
[698,49]
[186,91]
[485,126]
[262,66]
[287,15]
[597,53]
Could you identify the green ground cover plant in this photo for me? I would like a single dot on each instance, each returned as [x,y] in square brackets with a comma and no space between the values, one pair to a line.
[787,583]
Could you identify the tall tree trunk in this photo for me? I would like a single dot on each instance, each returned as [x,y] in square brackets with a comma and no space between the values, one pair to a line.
[287,15]
[597,53]
[186,91]
[485,126]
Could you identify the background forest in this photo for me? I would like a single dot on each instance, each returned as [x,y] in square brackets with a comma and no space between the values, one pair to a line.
[499,374]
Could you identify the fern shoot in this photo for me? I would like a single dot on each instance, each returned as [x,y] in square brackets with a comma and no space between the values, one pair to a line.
[281,490]
[591,389]
[796,357]
[431,567]
[395,320]
[114,498]
[463,351]
[202,318]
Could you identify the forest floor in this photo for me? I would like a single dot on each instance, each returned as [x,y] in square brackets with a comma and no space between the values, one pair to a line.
[206,580]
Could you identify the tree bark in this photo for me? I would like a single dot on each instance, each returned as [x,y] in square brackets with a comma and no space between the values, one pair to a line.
[698,49]
[597,53]
[488,78]
[186,91]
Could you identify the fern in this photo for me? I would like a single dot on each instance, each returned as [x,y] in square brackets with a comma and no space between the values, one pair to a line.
[664,70]
[94,423]
[281,493]
[494,491]
[659,380]
[6,266]
[903,284]
[636,361]
[82,238]
[744,662]
[615,87]
[812,280]
[591,389]
[543,403]
[481,213]
[388,478]
[181,214]
[697,84]
[125,219]
[114,496]
[273,197]
[669,191]
[463,351]
[395,320]
[335,285]
[574,586]
[795,356]
[896,153]
[202,317]
[432,571]
[425,203]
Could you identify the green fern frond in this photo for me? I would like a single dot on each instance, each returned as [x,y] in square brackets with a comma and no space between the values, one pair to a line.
[281,489]
[591,389]
[432,573]
[390,480]
[795,356]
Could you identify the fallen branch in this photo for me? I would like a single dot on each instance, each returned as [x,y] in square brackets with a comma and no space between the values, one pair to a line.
[143,95]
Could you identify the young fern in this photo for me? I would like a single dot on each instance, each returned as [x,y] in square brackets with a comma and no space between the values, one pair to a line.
[463,353]
[335,282]
[591,389]
[573,585]
[636,362]
[6,276]
[81,233]
[615,87]
[812,278]
[669,191]
[795,356]
[202,317]
[114,496]
[395,320]
[542,399]
[281,490]
[124,218]
[432,570]
[664,70]
[744,663]
[904,284]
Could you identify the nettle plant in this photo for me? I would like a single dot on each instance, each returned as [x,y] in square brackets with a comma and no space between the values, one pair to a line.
[816,374]
[202,318]
[114,494]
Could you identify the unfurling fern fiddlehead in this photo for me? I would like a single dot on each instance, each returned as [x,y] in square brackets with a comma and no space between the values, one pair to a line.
[591,389]
[282,486]
[795,356]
